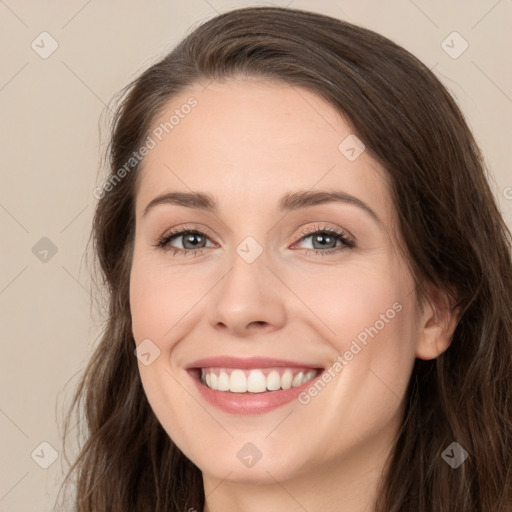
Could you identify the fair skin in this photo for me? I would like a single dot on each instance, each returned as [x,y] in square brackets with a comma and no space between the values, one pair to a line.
[248,143]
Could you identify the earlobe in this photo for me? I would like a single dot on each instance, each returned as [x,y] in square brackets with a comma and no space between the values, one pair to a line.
[438,323]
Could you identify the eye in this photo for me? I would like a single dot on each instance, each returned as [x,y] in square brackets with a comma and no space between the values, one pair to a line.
[327,240]
[192,241]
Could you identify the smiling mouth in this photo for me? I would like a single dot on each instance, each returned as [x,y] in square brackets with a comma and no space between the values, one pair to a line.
[257,380]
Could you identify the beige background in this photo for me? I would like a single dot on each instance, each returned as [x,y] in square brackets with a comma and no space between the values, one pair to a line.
[51,151]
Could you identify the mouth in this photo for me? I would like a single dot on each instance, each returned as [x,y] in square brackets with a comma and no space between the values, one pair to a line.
[251,386]
[258,380]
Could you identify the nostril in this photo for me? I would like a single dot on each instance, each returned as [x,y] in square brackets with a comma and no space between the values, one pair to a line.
[258,323]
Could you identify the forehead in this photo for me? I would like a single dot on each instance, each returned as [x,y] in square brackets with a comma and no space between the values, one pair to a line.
[250,141]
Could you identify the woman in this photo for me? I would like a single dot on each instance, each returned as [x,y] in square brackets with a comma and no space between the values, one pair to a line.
[310,284]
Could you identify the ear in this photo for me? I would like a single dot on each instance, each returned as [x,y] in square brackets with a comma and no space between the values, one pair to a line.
[438,321]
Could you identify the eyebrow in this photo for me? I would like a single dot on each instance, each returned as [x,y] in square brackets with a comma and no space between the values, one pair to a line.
[289,202]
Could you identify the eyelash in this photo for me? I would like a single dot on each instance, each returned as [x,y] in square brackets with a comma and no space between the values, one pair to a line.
[347,241]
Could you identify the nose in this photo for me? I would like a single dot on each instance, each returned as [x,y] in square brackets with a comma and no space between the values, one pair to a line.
[249,299]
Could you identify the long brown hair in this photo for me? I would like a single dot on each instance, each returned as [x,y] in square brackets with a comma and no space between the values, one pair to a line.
[455,239]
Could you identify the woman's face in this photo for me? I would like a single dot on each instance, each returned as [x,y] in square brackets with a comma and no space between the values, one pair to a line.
[294,277]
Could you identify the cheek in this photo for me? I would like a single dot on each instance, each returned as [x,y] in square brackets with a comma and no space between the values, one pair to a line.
[146,304]
[356,300]
[161,297]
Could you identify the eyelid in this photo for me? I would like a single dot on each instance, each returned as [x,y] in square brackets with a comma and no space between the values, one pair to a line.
[324,227]
[199,228]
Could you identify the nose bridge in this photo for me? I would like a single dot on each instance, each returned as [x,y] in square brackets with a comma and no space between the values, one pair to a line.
[248,293]
[248,272]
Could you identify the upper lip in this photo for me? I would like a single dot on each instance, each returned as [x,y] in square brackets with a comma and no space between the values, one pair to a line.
[247,362]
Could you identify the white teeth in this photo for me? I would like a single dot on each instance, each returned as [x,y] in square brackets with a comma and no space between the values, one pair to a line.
[213,380]
[238,381]
[308,376]
[222,381]
[273,381]
[254,381]
[297,380]
[286,379]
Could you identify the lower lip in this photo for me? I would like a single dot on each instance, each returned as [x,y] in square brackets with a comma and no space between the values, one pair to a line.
[250,403]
